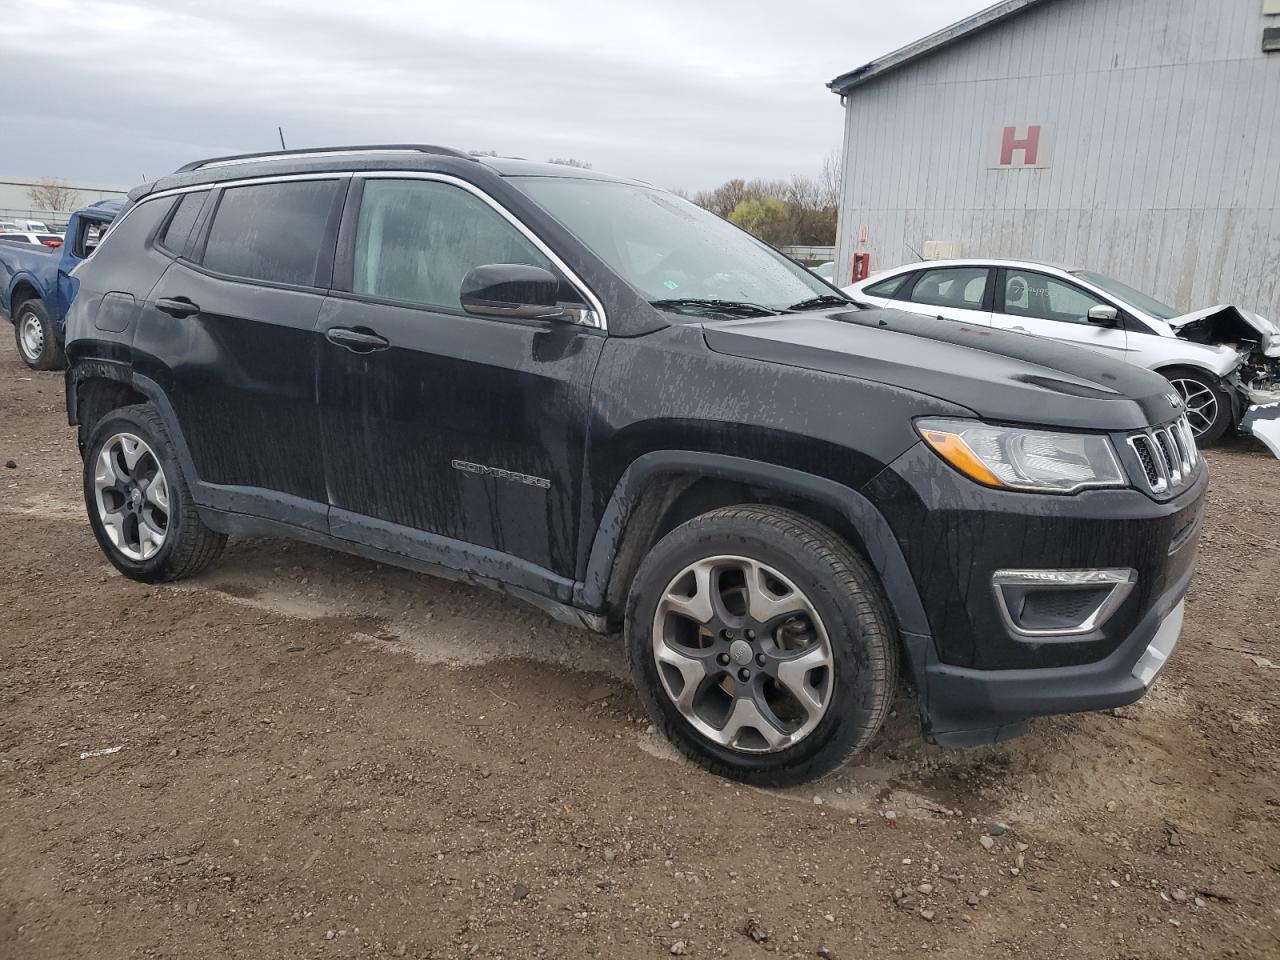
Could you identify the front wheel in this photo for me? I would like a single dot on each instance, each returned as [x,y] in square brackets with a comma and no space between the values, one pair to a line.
[761,644]
[1208,404]
[37,341]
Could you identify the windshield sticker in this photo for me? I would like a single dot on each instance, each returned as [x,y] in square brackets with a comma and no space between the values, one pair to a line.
[670,284]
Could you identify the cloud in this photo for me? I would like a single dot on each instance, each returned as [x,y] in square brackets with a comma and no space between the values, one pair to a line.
[676,93]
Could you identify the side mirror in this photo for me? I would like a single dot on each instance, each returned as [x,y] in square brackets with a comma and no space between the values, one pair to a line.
[511,290]
[1103,316]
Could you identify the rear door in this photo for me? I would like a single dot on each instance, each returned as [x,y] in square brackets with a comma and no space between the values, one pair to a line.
[952,293]
[1031,302]
[440,425]
[234,336]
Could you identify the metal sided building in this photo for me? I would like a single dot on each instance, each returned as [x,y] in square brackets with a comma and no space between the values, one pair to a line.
[1139,138]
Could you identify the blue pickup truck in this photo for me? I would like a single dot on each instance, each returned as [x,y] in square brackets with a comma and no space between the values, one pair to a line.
[36,285]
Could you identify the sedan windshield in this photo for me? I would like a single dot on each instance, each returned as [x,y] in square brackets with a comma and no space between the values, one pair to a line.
[675,253]
[1136,298]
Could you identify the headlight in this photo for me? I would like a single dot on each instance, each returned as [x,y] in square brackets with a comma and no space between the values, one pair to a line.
[1016,459]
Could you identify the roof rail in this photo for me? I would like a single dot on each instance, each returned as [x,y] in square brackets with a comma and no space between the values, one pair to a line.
[323,152]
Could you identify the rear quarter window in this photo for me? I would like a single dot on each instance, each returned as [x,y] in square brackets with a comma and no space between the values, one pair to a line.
[177,231]
[888,288]
[271,231]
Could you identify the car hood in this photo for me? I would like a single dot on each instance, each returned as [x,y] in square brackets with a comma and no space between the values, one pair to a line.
[1226,322]
[998,375]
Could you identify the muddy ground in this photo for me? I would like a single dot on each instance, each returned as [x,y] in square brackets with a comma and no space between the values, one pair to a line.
[324,757]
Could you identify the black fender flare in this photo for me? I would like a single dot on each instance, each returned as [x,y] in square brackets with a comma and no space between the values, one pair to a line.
[878,540]
[121,372]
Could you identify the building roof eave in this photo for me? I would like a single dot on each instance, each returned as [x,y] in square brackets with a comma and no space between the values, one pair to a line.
[934,41]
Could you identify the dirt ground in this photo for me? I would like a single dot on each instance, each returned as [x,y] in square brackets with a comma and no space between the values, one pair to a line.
[318,756]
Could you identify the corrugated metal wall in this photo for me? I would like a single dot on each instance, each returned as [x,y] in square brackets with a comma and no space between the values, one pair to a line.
[1164,122]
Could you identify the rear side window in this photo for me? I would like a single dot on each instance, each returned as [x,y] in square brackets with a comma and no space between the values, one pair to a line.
[271,231]
[417,239]
[178,231]
[887,288]
[10,238]
[962,287]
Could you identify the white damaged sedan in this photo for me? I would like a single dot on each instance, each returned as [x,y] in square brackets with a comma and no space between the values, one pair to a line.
[1222,360]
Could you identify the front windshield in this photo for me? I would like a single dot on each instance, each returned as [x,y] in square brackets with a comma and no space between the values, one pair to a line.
[670,249]
[1148,305]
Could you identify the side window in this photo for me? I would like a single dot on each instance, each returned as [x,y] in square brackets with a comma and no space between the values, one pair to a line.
[959,287]
[175,235]
[271,231]
[1029,294]
[888,288]
[417,239]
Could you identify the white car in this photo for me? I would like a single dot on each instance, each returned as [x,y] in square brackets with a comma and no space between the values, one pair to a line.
[16,236]
[23,226]
[1222,360]
[827,271]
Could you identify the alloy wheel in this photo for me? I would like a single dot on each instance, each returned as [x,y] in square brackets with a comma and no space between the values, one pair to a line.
[31,336]
[742,654]
[1201,404]
[132,496]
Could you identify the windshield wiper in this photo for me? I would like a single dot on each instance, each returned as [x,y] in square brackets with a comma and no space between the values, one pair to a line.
[823,300]
[732,307]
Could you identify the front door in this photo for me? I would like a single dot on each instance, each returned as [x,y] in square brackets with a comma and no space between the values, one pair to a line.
[440,426]
[1045,306]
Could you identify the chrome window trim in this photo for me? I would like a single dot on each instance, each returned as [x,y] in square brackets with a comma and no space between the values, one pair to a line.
[595,317]
[216,184]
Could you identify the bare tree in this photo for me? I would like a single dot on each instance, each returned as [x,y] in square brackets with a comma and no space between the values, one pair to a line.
[52,195]
[803,211]
[829,179]
[570,162]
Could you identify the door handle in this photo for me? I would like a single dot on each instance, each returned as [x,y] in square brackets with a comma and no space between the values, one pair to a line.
[177,306]
[357,341]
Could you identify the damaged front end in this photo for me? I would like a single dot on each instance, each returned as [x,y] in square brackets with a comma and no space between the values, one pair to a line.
[1256,381]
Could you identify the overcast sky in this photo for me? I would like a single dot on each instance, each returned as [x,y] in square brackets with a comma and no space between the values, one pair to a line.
[682,93]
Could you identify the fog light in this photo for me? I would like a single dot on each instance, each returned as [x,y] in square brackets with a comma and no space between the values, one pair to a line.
[1060,603]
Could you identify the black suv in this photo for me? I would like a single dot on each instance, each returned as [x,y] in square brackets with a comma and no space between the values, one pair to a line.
[595,396]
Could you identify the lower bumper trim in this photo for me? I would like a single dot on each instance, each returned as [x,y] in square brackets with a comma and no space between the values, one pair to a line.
[1157,653]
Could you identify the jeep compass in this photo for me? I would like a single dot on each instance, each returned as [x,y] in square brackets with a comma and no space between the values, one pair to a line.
[595,396]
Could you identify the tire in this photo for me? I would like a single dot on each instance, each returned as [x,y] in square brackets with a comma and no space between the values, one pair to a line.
[846,621]
[144,500]
[1205,390]
[37,342]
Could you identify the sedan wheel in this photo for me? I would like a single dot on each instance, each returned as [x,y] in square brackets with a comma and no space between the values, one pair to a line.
[742,654]
[1201,403]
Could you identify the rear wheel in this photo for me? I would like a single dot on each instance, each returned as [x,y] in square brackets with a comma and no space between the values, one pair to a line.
[761,644]
[37,342]
[139,506]
[1208,404]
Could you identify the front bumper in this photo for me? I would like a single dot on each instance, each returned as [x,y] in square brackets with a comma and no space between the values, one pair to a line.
[963,707]
[979,678]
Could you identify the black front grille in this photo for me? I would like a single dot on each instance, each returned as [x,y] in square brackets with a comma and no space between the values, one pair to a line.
[1142,446]
[1168,456]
